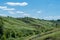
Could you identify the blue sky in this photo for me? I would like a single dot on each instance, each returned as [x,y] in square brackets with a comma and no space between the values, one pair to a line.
[43,9]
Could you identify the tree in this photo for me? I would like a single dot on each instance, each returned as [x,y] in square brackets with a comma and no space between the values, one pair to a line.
[1,27]
[58,20]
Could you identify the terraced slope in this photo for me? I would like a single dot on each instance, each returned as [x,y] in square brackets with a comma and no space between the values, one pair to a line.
[24,28]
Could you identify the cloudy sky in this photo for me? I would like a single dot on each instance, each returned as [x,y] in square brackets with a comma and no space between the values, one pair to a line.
[43,9]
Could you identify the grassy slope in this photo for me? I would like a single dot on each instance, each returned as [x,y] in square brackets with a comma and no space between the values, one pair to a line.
[28,25]
[52,36]
[18,24]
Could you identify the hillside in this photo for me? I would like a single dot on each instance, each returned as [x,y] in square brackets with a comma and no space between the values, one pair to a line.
[27,28]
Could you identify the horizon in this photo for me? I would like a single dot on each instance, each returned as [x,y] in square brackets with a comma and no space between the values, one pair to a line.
[42,9]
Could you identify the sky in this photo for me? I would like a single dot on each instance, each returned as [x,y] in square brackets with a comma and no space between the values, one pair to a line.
[43,9]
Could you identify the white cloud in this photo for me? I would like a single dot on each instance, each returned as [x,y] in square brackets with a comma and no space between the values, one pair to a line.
[52,17]
[15,12]
[11,12]
[9,9]
[17,3]
[39,11]
[3,15]
[6,8]
[25,14]
[19,12]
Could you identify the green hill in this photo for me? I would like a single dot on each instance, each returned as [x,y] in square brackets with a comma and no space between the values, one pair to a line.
[27,28]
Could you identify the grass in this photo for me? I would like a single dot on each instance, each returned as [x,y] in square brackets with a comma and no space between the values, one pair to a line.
[28,28]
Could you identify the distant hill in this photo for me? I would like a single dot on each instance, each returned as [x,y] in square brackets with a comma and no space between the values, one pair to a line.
[26,28]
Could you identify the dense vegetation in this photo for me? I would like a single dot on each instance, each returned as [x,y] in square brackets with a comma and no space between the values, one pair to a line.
[29,29]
